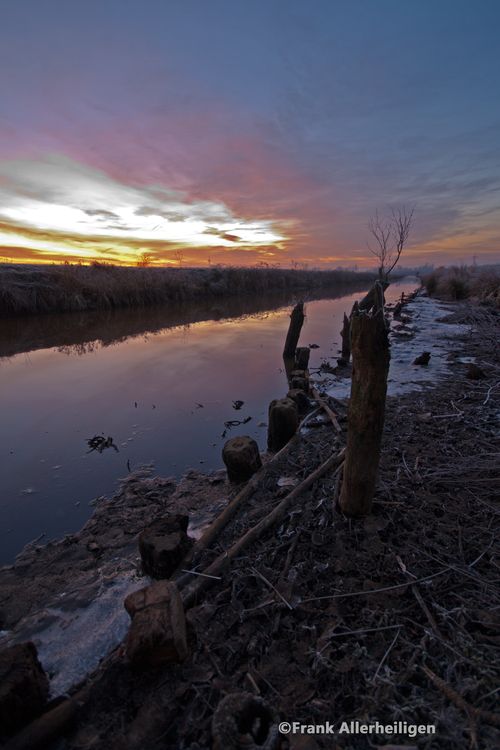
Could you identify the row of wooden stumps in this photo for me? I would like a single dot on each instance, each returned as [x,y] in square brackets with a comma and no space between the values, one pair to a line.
[241,454]
[365,337]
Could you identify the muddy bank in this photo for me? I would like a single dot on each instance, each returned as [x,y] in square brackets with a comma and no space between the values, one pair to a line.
[389,618]
[107,545]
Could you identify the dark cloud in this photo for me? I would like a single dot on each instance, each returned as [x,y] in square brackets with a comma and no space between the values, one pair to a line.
[100,213]
[223,235]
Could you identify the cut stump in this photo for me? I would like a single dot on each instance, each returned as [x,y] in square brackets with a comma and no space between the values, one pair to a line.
[283,423]
[163,544]
[241,458]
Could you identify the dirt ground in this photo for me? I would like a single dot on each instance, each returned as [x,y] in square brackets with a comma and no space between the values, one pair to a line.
[394,617]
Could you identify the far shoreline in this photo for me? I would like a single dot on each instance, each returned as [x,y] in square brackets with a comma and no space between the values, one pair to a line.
[43,289]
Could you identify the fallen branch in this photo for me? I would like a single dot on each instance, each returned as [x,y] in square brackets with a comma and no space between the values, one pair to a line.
[326,408]
[489,391]
[48,728]
[488,717]
[219,523]
[425,609]
[191,592]
[241,498]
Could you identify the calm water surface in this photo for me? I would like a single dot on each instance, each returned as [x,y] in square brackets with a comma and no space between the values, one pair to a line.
[160,381]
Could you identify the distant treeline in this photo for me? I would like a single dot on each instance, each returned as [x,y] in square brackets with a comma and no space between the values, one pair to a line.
[32,289]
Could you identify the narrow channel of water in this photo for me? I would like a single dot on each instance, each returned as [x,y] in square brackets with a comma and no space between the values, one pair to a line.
[160,381]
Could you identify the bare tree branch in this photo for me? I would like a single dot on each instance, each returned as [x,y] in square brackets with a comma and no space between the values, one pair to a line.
[397,227]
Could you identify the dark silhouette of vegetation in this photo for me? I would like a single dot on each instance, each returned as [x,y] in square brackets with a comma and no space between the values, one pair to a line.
[479,283]
[33,289]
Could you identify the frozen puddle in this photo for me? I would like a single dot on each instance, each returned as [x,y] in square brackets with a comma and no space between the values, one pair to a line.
[80,626]
[72,640]
[428,336]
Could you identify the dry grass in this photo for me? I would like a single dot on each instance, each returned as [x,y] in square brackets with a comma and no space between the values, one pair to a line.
[479,283]
[31,289]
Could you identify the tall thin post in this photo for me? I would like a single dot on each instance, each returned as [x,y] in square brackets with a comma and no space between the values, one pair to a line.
[346,338]
[297,318]
[370,367]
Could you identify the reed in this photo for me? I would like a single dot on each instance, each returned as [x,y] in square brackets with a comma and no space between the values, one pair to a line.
[478,283]
[35,289]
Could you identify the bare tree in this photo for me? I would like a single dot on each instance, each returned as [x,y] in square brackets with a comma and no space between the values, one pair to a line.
[391,234]
[145,260]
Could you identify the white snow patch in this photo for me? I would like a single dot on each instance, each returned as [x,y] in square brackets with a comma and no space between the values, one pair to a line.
[72,646]
[429,335]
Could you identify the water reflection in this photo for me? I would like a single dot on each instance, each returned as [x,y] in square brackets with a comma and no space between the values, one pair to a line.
[160,382]
[83,333]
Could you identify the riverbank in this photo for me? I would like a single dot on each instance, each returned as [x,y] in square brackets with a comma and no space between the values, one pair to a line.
[32,289]
[390,618]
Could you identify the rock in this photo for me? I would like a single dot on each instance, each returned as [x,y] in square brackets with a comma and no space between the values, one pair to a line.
[298,395]
[242,458]
[163,544]
[474,372]
[24,688]
[157,633]
[423,359]
[283,423]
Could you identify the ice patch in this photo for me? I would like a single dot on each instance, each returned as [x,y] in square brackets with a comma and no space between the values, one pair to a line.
[76,641]
[429,335]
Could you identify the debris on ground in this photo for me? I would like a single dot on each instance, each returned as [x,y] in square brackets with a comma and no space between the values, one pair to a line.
[393,618]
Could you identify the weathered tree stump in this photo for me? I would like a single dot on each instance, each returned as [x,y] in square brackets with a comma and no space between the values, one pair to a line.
[283,423]
[302,358]
[24,688]
[299,380]
[157,633]
[297,318]
[299,396]
[346,338]
[245,720]
[369,301]
[371,356]
[242,458]
[163,544]
[301,384]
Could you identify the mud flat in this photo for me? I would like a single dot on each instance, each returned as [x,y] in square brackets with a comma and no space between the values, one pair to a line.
[392,618]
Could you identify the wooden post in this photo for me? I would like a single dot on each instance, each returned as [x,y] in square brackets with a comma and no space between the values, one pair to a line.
[297,318]
[289,363]
[346,338]
[242,458]
[299,396]
[370,354]
[163,544]
[283,423]
[302,357]
[368,301]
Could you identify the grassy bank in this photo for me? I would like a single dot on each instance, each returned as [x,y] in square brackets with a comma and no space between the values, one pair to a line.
[31,289]
[478,283]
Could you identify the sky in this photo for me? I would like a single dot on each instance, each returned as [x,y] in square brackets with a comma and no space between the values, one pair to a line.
[242,132]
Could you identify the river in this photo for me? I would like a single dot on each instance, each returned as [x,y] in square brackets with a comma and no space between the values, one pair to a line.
[160,381]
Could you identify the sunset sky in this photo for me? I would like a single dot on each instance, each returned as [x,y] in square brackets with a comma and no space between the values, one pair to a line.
[240,131]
